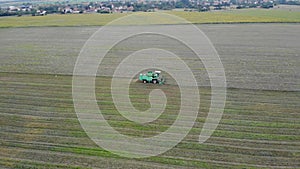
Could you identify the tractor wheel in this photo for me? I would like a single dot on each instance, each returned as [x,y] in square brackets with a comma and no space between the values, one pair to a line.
[144,81]
[154,81]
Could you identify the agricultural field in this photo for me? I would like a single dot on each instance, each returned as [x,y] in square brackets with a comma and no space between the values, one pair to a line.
[228,16]
[253,55]
[40,129]
[260,127]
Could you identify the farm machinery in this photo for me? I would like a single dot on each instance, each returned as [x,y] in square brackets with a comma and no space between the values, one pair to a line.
[152,77]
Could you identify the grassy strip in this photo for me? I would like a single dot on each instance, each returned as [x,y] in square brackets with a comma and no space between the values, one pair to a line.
[176,160]
[255,136]
[236,16]
[236,111]
[24,164]
[278,15]
[191,149]
[103,153]
[241,16]
[59,20]
[112,114]
[170,159]
[132,129]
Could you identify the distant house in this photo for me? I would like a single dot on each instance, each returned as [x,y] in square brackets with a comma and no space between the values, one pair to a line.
[13,9]
[41,13]
[26,8]
[67,10]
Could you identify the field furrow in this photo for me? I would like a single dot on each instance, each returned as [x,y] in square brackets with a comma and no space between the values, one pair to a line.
[259,128]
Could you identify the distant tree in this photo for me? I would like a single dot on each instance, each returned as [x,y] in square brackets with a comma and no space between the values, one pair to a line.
[33,12]
[19,14]
[103,11]
[179,4]
[282,1]
[293,2]
[267,5]
[186,3]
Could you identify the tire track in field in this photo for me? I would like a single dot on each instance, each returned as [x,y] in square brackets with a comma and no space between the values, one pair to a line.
[47,121]
[72,138]
[91,161]
[71,154]
[185,147]
[36,125]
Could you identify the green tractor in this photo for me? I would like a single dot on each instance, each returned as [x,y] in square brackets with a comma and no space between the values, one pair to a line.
[152,77]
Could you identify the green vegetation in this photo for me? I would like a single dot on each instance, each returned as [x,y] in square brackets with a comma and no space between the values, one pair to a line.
[40,128]
[275,15]
[232,16]
[241,16]
[58,20]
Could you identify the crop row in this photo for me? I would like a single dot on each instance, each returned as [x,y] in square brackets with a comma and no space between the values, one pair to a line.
[35,121]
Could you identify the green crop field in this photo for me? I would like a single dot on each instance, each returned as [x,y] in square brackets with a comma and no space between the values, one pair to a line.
[231,16]
[241,16]
[39,128]
[260,127]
